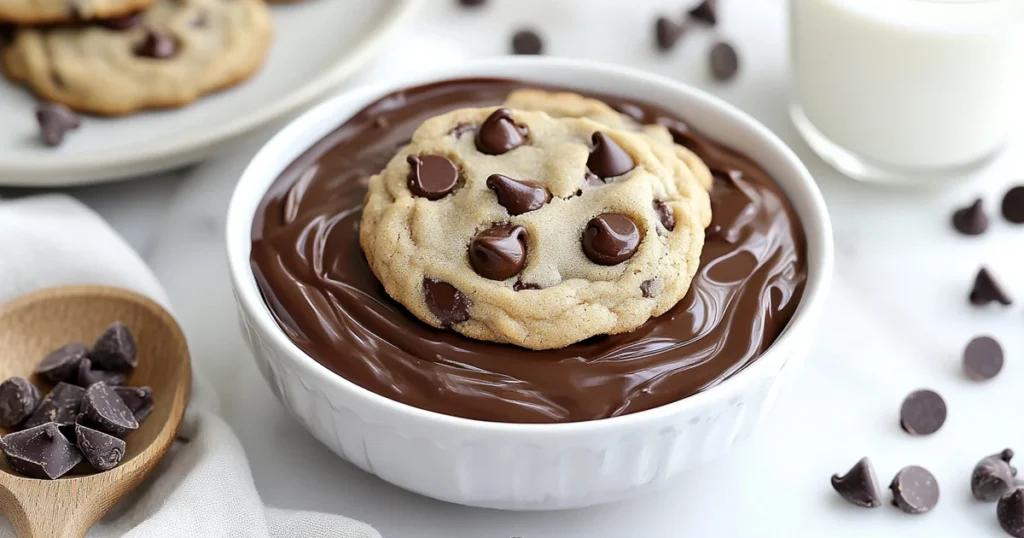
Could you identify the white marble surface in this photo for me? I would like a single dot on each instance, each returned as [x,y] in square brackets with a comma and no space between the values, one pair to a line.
[897,318]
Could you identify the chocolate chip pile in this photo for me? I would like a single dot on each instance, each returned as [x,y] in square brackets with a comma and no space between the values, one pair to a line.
[83,417]
[914,489]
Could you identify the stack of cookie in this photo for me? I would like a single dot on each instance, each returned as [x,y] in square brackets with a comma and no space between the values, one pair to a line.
[115,57]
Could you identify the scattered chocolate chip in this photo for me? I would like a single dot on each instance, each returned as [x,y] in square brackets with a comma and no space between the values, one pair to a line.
[518,197]
[61,405]
[987,290]
[62,363]
[520,286]
[157,45]
[127,22]
[104,410]
[462,129]
[527,42]
[971,220]
[608,159]
[499,133]
[450,305]
[138,399]
[859,485]
[632,111]
[114,349]
[432,176]
[993,476]
[472,3]
[668,220]
[40,452]
[983,358]
[666,33]
[725,63]
[647,288]
[1010,512]
[102,450]
[923,412]
[499,252]
[706,12]
[87,375]
[914,490]
[18,400]
[610,239]
[1013,205]
[55,120]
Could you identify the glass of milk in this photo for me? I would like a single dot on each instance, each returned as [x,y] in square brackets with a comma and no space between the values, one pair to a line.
[906,90]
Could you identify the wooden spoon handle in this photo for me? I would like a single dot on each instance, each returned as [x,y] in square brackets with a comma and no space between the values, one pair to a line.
[43,516]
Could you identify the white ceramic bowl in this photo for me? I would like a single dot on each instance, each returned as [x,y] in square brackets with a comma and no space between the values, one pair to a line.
[530,466]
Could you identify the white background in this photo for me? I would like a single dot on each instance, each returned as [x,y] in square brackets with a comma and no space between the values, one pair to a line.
[897,317]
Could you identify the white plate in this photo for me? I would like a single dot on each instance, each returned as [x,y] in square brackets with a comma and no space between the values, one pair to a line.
[318,43]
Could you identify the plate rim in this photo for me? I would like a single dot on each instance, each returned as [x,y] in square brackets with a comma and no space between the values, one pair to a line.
[176,149]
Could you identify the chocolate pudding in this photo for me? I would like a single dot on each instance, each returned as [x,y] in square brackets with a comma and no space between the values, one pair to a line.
[310,268]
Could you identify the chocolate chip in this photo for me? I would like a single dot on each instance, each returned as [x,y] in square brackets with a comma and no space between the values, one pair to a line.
[859,485]
[987,290]
[62,363]
[102,450]
[499,252]
[1010,512]
[104,410]
[40,452]
[591,179]
[61,405]
[127,22]
[634,112]
[527,42]
[1013,205]
[971,220]
[499,133]
[432,176]
[666,33]
[647,288]
[18,400]
[157,45]
[914,490]
[114,349]
[681,133]
[923,412]
[87,375]
[610,239]
[446,302]
[725,63]
[668,220]
[608,159]
[993,476]
[472,3]
[55,120]
[462,129]
[518,197]
[706,12]
[520,286]
[138,399]
[983,358]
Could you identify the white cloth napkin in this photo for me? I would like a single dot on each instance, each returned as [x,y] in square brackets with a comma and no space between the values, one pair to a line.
[204,487]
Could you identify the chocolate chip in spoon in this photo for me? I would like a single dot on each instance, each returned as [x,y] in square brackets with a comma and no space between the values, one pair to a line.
[61,406]
[138,399]
[18,400]
[62,364]
[40,452]
[103,409]
[115,349]
[859,485]
[87,375]
[102,450]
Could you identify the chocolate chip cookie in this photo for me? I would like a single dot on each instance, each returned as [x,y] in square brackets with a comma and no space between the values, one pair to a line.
[520,227]
[54,11]
[170,55]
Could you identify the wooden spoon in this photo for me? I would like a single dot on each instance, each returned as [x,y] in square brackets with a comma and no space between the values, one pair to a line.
[34,325]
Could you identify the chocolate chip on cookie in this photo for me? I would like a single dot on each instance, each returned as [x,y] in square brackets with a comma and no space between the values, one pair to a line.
[157,45]
[126,22]
[608,159]
[668,220]
[446,302]
[55,120]
[516,196]
[499,252]
[499,133]
[432,176]
[610,239]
